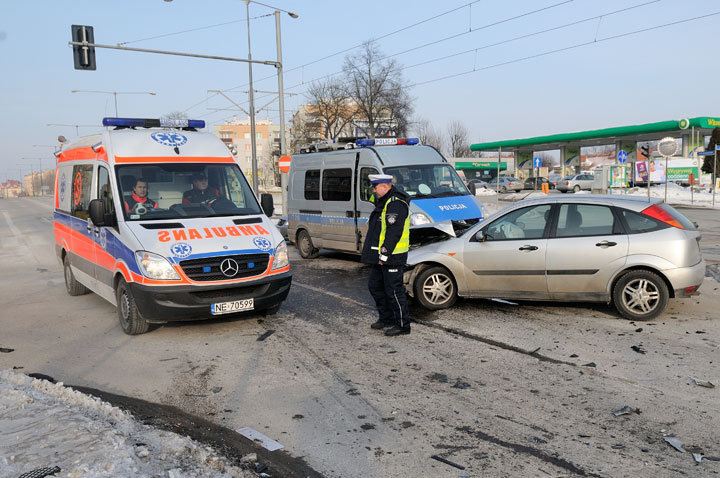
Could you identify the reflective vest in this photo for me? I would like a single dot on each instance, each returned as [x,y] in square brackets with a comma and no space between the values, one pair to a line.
[403,244]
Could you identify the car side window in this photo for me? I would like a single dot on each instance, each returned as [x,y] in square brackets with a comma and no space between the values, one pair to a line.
[365,186]
[104,189]
[81,179]
[639,223]
[576,220]
[312,184]
[525,223]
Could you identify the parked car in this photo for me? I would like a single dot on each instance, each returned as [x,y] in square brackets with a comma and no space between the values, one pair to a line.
[576,183]
[477,184]
[622,250]
[507,183]
[537,182]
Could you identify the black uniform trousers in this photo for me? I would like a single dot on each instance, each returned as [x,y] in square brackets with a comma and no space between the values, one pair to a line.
[386,287]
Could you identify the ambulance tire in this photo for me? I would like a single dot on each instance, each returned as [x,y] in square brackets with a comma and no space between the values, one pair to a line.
[271,310]
[131,321]
[305,245]
[71,284]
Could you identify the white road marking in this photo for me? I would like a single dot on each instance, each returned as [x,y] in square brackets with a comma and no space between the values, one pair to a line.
[16,232]
[332,294]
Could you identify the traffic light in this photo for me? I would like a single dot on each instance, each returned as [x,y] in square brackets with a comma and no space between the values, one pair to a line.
[645,151]
[84,56]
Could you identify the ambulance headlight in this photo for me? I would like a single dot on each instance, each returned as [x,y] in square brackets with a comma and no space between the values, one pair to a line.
[281,256]
[419,218]
[155,267]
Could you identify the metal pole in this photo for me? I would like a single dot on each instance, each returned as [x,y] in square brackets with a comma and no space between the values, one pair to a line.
[666,177]
[281,105]
[497,179]
[714,184]
[252,107]
[115,95]
[41,181]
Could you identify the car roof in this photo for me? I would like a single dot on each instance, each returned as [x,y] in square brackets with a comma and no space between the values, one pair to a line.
[629,202]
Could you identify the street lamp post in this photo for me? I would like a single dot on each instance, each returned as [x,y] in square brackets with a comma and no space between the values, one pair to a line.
[76,126]
[253,144]
[115,93]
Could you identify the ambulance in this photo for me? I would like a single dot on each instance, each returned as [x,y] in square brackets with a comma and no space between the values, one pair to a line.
[158,219]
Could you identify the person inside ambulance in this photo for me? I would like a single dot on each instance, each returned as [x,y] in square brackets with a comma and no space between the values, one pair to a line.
[200,193]
[139,202]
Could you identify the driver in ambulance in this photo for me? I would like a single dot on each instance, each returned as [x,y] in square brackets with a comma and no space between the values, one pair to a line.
[139,202]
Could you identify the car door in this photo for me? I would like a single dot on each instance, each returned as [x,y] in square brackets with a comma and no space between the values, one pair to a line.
[364,207]
[82,241]
[584,251]
[336,192]
[510,261]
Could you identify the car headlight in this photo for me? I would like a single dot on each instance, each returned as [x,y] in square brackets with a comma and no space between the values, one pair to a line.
[154,266]
[281,256]
[419,218]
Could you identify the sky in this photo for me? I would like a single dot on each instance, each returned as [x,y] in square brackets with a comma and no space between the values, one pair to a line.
[502,69]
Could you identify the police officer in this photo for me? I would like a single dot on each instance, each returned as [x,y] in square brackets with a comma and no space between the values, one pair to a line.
[386,246]
[139,202]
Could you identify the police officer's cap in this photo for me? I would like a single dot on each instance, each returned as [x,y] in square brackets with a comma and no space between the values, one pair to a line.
[380,178]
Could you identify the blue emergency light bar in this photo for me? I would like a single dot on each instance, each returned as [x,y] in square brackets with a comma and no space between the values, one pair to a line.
[152,123]
[386,141]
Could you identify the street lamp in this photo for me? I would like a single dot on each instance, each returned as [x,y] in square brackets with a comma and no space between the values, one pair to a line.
[115,93]
[76,126]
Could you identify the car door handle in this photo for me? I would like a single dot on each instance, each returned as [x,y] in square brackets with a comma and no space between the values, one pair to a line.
[528,248]
[606,244]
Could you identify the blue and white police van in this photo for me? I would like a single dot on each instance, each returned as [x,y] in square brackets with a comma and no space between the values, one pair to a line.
[329,190]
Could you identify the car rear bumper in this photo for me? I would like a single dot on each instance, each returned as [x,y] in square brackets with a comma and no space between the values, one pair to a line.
[686,280]
[177,303]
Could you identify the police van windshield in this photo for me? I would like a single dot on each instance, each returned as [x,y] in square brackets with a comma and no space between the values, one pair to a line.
[428,181]
[174,191]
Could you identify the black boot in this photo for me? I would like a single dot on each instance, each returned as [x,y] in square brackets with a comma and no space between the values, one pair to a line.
[380,324]
[395,330]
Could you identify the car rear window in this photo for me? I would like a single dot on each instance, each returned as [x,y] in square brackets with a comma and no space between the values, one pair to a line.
[638,223]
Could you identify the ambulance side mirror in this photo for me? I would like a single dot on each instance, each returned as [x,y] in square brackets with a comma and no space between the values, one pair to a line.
[266,201]
[99,216]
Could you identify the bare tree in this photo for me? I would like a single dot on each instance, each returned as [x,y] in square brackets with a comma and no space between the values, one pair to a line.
[458,144]
[302,132]
[427,134]
[331,106]
[376,86]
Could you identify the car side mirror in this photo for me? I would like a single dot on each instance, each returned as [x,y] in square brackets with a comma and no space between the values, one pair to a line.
[97,212]
[266,202]
[480,236]
[471,187]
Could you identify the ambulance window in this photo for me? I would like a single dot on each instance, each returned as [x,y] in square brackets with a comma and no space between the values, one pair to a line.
[81,182]
[104,189]
[365,186]
[312,184]
[337,184]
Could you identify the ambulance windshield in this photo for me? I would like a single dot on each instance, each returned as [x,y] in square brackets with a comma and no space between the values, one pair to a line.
[174,191]
[428,181]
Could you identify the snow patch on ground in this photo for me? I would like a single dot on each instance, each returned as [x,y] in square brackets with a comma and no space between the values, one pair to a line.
[45,424]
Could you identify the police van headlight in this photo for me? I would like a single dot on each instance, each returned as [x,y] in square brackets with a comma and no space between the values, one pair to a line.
[281,256]
[154,266]
[419,218]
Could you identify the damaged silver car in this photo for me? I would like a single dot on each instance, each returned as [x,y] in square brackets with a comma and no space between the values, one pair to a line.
[633,253]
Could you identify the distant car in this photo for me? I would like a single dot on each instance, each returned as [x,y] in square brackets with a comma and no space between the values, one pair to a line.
[507,183]
[576,183]
[537,182]
[282,225]
[634,253]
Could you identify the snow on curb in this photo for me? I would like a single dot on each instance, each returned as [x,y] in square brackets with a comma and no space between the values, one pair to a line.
[46,424]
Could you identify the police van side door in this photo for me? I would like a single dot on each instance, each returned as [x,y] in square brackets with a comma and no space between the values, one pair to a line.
[363,206]
[336,192]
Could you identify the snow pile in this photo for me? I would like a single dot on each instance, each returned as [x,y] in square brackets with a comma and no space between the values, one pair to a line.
[45,424]
[485,192]
[677,194]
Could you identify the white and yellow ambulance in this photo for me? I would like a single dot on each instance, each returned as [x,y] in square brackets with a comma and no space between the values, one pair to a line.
[158,219]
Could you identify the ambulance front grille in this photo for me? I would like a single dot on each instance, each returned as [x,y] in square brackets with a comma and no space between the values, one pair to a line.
[235,267]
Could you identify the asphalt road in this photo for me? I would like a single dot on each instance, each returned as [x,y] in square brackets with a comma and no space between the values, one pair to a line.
[500,389]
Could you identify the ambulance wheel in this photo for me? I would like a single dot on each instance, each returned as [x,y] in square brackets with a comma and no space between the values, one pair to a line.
[131,321]
[272,310]
[71,284]
[305,245]
[435,288]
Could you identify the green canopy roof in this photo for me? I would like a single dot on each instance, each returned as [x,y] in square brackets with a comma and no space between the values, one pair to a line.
[640,132]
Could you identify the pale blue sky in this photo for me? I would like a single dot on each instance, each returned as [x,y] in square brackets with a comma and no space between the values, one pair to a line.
[660,74]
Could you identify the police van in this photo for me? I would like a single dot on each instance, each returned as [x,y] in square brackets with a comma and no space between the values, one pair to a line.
[329,191]
[158,219]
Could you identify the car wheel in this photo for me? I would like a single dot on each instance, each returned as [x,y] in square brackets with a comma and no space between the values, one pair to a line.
[640,295]
[271,310]
[503,189]
[72,286]
[131,321]
[305,245]
[562,190]
[435,288]
[576,188]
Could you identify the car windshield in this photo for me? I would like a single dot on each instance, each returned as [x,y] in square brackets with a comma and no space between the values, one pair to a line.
[174,191]
[426,181]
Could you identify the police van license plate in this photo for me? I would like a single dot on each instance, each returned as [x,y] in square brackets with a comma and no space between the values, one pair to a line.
[231,307]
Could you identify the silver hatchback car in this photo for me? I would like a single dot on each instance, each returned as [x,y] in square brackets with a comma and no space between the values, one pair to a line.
[575,183]
[582,248]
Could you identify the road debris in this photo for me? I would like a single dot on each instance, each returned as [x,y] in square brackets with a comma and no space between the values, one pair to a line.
[675,443]
[41,376]
[697,457]
[590,364]
[216,389]
[638,349]
[623,411]
[266,335]
[447,462]
[6,350]
[703,383]
[502,301]
[254,435]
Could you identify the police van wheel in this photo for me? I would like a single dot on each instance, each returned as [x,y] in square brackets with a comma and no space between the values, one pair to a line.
[435,288]
[131,321]
[305,245]
[71,284]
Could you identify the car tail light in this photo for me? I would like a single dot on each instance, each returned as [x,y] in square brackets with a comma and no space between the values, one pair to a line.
[691,289]
[656,212]
[567,183]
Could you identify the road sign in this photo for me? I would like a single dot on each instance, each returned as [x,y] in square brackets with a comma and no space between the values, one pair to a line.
[622,156]
[537,161]
[284,163]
